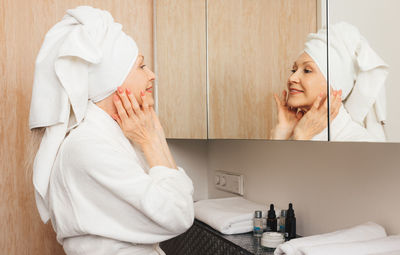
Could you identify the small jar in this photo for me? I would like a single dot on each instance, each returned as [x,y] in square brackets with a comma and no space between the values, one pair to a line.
[271,240]
[258,224]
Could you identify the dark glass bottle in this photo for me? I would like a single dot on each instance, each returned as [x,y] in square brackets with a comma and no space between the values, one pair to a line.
[290,224]
[271,220]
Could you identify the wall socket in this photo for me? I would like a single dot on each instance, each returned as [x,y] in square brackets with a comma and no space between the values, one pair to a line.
[229,182]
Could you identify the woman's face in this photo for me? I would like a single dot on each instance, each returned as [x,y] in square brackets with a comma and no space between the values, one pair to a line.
[139,79]
[305,83]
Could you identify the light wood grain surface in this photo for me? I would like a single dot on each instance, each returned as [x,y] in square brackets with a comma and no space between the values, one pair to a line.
[251,47]
[181,67]
[23,25]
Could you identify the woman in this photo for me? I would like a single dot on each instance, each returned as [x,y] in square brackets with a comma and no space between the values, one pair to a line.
[357,77]
[103,173]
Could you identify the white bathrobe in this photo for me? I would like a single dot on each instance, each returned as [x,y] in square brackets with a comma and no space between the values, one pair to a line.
[104,199]
[344,128]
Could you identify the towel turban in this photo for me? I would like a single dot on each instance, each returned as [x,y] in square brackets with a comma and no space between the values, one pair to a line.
[356,69]
[85,56]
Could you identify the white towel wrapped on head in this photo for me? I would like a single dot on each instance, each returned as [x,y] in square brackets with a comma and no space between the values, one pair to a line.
[363,232]
[233,215]
[390,244]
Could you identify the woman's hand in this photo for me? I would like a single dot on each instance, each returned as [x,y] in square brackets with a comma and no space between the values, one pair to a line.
[142,126]
[315,120]
[136,122]
[287,118]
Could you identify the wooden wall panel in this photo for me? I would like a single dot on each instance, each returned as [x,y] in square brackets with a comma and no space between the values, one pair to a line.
[23,25]
[251,47]
[181,67]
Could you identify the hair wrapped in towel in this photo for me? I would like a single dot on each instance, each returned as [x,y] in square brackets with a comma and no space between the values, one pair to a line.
[356,69]
[85,56]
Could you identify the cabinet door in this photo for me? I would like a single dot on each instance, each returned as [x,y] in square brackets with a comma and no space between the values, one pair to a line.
[251,48]
[181,68]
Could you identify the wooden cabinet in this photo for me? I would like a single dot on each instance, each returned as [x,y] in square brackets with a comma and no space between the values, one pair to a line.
[246,46]
[181,68]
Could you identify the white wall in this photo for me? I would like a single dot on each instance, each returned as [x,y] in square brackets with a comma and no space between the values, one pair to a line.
[191,155]
[332,185]
[378,21]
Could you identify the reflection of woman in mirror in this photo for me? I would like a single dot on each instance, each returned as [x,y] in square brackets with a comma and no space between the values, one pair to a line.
[357,77]
[103,173]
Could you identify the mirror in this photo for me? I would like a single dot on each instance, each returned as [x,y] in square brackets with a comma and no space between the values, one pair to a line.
[363,57]
[252,48]
[225,59]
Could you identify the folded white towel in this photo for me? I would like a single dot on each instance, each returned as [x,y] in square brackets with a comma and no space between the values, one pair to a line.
[387,253]
[232,215]
[364,232]
[377,246]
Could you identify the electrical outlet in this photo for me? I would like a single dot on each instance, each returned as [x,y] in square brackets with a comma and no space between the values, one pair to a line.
[229,182]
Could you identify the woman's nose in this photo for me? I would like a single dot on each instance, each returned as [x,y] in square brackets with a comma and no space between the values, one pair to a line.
[151,75]
[294,78]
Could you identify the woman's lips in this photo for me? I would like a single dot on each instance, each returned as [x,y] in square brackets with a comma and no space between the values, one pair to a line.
[149,89]
[295,91]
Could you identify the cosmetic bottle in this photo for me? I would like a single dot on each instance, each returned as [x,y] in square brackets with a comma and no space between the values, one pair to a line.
[271,220]
[290,224]
[282,219]
[258,224]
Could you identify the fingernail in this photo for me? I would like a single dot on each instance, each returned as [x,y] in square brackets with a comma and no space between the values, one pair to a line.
[142,93]
[120,90]
[128,91]
[116,98]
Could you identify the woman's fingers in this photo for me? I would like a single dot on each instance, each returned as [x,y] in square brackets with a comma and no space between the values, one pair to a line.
[277,100]
[336,103]
[134,102]
[284,95]
[317,101]
[116,118]
[125,101]
[120,108]
[145,104]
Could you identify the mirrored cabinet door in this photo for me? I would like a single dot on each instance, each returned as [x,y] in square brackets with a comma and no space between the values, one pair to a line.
[363,53]
[237,69]
[252,46]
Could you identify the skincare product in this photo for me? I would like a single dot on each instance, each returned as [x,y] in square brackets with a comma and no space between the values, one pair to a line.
[281,225]
[290,224]
[257,224]
[271,220]
[271,240]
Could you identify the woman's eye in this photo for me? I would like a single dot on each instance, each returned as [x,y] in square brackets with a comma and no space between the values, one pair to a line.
[293,70]
[307,71]
[142,66]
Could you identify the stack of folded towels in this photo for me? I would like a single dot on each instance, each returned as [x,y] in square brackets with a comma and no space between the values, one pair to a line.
[365,239]
[233,215]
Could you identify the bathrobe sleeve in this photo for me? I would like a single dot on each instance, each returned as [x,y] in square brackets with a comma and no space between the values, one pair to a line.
[113,196]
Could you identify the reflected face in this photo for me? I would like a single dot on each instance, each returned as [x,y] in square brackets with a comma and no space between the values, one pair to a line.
[140,78]
[305,83]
